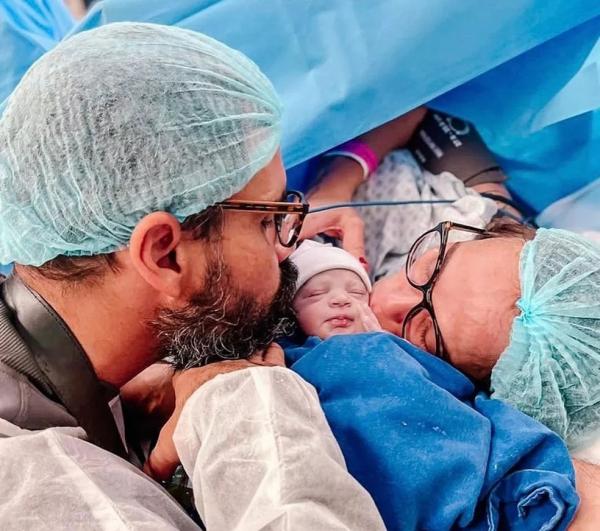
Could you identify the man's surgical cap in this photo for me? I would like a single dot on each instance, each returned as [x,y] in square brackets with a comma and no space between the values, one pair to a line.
[122,121]
[551,368]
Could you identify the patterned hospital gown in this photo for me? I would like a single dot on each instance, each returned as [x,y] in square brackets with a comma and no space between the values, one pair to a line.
[390,231]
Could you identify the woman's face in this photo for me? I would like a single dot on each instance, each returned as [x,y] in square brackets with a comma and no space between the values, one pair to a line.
[474,301]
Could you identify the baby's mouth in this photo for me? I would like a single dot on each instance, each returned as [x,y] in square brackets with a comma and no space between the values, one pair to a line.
[340,321]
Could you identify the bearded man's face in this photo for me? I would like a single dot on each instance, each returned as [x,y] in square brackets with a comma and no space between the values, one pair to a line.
[224,321]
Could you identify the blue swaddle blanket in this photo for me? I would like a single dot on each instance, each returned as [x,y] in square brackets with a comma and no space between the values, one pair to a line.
[432,451]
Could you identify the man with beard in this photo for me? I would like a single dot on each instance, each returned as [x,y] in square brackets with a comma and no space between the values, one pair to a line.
[142,199]
[224,322]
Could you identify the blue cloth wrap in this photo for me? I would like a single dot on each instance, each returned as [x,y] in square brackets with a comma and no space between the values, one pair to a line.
[433,452]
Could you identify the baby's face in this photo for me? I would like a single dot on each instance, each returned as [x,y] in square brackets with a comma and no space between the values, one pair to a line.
[328,304]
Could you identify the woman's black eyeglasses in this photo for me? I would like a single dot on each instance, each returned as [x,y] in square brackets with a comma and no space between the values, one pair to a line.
[434,240]
[288,214]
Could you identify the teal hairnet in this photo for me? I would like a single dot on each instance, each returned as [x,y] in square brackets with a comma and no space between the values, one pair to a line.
[121,121]
[551,368]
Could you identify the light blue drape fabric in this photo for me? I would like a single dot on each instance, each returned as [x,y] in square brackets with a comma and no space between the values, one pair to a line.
[525,71]
[28,29]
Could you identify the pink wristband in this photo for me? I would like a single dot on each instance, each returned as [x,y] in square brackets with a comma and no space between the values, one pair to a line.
[358,151]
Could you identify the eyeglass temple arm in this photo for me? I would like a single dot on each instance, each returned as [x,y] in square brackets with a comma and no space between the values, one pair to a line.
[361,204]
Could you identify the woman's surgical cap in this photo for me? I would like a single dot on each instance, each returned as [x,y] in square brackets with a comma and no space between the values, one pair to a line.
[122,121]
[551,368]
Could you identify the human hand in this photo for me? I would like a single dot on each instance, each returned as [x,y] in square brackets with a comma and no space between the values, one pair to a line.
[369,321]
[149,399]
[163,459]
[341,178]
[341,223]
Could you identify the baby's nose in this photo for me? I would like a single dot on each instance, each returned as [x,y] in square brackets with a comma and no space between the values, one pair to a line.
[340,298]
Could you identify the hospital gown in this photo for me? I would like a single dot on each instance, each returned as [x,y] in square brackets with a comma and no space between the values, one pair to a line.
[391,230]
[255,443]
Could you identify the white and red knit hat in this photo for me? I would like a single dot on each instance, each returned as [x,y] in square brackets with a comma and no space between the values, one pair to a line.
[312,258]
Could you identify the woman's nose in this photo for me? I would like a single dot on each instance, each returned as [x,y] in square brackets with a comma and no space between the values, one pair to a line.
[392,302]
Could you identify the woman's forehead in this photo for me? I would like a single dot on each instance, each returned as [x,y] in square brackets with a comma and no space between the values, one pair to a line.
[506,250]
[488,264]
[475,298]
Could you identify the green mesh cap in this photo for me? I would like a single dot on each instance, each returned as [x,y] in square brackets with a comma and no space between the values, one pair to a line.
[121,121]
[551,368]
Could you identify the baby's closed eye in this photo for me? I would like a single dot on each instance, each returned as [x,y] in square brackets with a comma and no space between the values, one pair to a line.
[315,293]
[358,292]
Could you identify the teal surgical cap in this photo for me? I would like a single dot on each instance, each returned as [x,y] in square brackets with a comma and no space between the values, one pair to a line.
[551,368]
[122,121]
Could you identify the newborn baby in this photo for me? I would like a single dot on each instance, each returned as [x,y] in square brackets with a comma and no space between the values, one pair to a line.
[332,292]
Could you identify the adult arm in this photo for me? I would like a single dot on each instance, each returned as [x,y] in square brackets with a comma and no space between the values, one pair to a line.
[254,442]
[259,451]
[261,455]
[340,178]
[588,488]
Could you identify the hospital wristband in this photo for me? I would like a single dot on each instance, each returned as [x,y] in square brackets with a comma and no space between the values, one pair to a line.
[359,152]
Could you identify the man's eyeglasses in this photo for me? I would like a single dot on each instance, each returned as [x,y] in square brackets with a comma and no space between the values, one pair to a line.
[433,241]
[288,214]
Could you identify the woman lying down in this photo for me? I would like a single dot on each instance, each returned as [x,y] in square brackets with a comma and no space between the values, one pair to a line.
[508,307]
[433,451]
[513,304]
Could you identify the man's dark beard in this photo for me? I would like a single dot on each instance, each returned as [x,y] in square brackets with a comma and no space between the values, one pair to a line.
[224,322]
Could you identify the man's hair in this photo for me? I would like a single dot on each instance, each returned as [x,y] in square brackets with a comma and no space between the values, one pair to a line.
[77,269]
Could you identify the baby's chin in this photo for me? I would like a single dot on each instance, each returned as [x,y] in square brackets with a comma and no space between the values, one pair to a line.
[353,328]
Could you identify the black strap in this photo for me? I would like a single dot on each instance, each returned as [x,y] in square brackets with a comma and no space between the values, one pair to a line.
[64,363]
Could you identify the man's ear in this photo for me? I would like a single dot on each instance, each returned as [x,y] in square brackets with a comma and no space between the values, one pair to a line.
[153,252]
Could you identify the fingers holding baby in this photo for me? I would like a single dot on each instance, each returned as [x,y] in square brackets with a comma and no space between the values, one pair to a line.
[164,459]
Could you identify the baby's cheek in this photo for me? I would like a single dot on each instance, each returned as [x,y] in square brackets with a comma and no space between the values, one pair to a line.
[310,320]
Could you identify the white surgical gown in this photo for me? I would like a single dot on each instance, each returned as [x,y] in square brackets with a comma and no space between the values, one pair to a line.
[255,443]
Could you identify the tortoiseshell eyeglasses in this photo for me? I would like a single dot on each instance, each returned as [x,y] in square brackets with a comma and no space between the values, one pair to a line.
[288,214]
[434,241]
